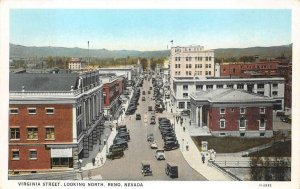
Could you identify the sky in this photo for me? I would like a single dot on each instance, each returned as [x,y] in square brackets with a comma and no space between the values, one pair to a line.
[150,29]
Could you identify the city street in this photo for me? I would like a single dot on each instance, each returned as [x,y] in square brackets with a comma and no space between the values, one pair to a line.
[129,167]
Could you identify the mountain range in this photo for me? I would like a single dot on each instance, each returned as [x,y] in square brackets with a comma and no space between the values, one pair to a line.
[20,51]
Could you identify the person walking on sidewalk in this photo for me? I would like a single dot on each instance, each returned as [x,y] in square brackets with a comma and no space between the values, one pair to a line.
[183,128]
[190,122]
[187,146]
[93,161]
[203,158]
[101,160]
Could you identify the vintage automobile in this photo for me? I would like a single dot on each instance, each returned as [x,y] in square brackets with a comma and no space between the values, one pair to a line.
[120,143]
[115,152]
[150,137]
[149,108]
[172,170]
[152,121]
[171,145]
[138,117]
[153,145]
[146,168]
[160,154]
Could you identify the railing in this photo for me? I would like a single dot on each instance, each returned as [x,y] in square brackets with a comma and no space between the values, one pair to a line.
[44,93]
[232,176]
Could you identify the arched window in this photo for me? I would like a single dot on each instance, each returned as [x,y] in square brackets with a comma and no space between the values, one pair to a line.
[243,123]
[222,123]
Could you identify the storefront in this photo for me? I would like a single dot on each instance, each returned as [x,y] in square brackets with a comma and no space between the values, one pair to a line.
[61,158]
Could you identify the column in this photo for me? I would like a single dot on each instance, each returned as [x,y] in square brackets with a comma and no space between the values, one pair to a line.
[91,142]
[85,147]
[204,87]
[201,122]
[214,86]
[245,87]
[255,88]
[75,157]
[84,115]
[197,116]
[235,86]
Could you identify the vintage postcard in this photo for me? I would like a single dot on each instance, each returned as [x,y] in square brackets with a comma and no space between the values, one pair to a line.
[128,94]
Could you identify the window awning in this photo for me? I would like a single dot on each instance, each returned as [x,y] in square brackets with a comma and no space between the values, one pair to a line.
[61,152]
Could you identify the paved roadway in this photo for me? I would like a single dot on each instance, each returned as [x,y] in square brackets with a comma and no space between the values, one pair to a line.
[129,167]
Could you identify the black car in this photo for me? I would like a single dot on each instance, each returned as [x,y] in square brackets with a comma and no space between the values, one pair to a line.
[171,145]
[170,138]
[124,135]
[169,135]
[152,121]
[138,117]
[115,152]
[172,170]
[121,143]
[149,108]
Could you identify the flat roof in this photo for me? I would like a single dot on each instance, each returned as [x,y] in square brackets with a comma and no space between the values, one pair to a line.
[229,95]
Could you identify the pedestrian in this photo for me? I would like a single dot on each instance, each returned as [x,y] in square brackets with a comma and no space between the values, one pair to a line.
[187,146]
[101,160]
[183,128]
[93,161]
[190,122]
[171,110]
[181,123]
[185,119]
[203,158]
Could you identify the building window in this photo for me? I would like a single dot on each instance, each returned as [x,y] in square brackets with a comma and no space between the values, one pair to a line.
[14,133]
[190,72]
[78,110]
[14,111]
[206,65]
[242,134]
[186,66]
[181,105]
[222,134]
[187,59]
[230,86]
[31,110]
[209,58]
[240,86]
[261,134]
[219,86]
[274,93]
[260,86]
[209,65]
[262,110]
[275,85]
[242,123]
[199,87]
[32,154]
[242,110]
[222,123]
[185,95]
[49,110]
[261,92]
[50,133]
[209,86]
[15,154]
[188,104]
[206,58]
[185,87]
[32,133]
[222,110]
[262,123]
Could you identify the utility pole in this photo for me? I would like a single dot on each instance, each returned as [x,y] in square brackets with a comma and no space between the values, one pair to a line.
[88,53]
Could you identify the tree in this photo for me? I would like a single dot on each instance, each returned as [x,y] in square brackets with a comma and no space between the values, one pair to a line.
[144,63]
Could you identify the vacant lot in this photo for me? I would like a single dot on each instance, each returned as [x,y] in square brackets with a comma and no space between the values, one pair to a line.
[230,144]
[281,149]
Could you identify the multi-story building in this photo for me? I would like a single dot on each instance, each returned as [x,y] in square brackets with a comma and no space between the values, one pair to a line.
[76,64]
[232,112]
[54,120]
[182,87]
[191,61]
[113,88]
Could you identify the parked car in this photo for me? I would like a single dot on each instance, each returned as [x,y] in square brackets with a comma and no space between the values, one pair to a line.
[172,170]
[120,143]
[152,121]
[115,152]
[171,145]
[143,98]
[146,168]
[149,108]
[160,154]
[144,92]
[138,117]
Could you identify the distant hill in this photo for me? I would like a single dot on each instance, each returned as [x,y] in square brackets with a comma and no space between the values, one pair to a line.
[27,52]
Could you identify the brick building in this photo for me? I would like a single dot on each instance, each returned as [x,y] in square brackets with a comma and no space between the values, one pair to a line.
[113,88]
[54,120]
[230,112]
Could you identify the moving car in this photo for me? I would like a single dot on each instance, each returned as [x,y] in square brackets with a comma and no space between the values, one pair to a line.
[172,170]
[138,117]
[150,137]
[152,121]
[146,168]
[153,145]
[160,154]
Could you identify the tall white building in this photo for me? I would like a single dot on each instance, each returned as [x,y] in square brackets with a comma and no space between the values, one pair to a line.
[191,61]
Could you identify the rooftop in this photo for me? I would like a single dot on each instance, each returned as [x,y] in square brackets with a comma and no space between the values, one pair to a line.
[229,95]
[42,81]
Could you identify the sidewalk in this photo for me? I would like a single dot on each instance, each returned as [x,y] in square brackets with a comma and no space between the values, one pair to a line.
[193,155]
[102,154]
